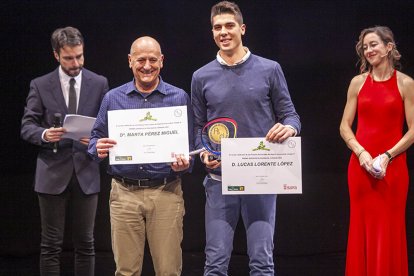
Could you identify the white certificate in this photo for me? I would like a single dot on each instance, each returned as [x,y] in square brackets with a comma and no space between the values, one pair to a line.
[255,166]
[148,135]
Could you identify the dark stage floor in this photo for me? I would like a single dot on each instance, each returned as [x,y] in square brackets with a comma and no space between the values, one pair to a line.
[321,265]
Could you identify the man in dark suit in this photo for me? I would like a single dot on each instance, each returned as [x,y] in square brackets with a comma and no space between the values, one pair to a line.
[66,177]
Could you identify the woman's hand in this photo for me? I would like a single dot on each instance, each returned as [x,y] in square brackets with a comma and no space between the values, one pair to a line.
[380,167]
[365,160]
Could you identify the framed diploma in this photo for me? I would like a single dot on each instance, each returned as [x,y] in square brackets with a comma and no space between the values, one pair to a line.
[152,135]
[255,166]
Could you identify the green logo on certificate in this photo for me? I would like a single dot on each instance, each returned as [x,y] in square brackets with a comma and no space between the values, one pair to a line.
[148,117]
[235,188]
[261,146]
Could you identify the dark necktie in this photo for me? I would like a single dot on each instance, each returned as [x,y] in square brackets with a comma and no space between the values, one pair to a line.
[72,97]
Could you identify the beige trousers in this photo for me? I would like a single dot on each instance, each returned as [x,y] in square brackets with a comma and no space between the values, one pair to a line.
[152,213]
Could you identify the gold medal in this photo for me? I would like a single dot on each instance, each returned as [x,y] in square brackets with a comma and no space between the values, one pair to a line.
[218,131]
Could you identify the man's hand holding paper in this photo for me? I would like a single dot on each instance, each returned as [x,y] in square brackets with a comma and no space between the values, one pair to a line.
[78,127]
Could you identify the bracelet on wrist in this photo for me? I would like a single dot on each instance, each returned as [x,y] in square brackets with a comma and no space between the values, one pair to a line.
[388,155]
[359,153]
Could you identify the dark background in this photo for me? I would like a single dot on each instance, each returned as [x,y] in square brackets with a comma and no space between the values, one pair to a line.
[314,41]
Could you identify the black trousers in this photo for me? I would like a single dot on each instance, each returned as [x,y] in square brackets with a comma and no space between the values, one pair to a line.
[53,209]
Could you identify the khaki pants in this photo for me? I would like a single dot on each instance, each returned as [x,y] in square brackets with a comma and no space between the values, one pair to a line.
[156,213]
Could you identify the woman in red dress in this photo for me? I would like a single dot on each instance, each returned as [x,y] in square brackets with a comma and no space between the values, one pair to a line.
[382,98]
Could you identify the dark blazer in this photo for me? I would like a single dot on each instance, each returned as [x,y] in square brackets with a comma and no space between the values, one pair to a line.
[54,170]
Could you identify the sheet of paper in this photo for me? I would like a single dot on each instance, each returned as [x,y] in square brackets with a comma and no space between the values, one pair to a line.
[77,126]
[152,135]
[255,166]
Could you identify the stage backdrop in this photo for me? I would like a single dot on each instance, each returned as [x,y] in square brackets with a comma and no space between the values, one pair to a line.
[312,40]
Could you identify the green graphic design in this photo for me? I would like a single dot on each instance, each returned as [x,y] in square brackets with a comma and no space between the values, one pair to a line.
[148,117]
[261,146]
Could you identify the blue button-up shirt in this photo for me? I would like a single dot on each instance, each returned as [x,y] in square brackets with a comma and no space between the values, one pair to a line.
[128,97]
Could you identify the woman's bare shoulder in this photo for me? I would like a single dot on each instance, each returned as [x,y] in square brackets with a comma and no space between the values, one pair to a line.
[357,82]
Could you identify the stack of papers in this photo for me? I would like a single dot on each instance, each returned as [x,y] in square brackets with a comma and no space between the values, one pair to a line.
[77,126]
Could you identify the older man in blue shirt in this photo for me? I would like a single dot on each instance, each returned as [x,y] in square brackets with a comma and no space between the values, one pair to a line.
[146,200]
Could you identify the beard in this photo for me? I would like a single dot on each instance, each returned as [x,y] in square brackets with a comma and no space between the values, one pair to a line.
[72,72]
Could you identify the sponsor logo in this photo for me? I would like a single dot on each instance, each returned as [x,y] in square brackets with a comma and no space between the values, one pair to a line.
[289,187]
[235,188]
[123,158]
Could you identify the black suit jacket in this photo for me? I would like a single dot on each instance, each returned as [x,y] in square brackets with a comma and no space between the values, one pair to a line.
[54,170]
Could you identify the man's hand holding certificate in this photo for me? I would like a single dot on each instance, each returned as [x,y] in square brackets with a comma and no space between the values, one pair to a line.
[255,166]
[153,135]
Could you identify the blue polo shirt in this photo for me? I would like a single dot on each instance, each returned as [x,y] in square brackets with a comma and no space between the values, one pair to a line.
[128,97]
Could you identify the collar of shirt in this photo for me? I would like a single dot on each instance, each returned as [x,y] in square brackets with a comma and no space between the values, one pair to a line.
[64,79]
[64,83]
[132,88]
[244,58]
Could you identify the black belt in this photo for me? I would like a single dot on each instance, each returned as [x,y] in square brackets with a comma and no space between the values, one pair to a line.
[144,183]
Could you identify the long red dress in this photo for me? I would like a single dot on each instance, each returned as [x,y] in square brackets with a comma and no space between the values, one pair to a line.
[377,239]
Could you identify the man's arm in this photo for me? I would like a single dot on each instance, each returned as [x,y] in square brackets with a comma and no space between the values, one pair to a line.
[200,119]
[200,110]
[287,120]
[35,128]
[105,88]
[181,164]
[99,131]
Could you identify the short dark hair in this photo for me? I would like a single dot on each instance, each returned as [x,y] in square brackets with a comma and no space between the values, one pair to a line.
[68,36]
[229,8]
